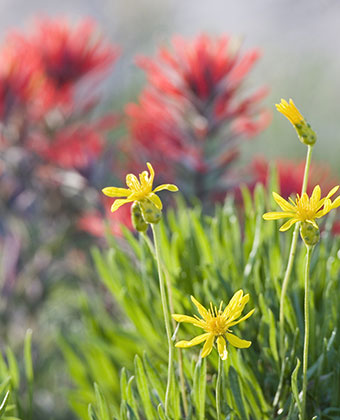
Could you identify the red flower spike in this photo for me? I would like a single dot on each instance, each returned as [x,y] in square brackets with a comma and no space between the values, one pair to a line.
[191,113]
[68,54]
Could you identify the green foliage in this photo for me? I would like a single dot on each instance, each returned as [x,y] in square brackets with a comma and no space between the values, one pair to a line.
[16,396]
[210,258]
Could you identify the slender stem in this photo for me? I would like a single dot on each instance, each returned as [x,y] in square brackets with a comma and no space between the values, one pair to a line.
[306,340]
[166,317]
[179,351]
[218,390]
[287,277]
[307,166]
[292,255]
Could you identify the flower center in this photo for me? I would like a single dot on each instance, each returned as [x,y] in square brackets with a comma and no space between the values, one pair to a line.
[305,211]
[217,325]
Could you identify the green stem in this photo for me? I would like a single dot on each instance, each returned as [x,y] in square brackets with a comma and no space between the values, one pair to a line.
[291,257]
[155,231]
[287,277]
[306,340]
[218,390]
[179,351]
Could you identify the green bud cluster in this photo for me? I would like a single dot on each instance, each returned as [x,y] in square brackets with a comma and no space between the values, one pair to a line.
[305,133]
[143,213]
[309,234]
[138,221]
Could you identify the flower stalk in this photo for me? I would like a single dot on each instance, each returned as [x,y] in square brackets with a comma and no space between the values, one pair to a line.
[306,339]
[155,232]
[218,390]
[291,257]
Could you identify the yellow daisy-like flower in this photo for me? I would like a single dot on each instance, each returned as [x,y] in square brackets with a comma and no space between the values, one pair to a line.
[138,190]
[216,324]
[304,209]
[303,129]
[290,111]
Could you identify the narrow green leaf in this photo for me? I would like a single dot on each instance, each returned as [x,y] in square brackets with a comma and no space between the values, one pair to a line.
[237,393]
[199,387]
[295,386]
[28,356]
[143,389]
[4,404]
[13,368]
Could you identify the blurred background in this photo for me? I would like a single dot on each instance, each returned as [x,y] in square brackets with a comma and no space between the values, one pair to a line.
[67,131]
[300,56]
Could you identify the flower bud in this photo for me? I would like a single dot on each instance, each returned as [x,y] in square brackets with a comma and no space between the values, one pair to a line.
[305,133]
[309,234]
[151,214]
[138,221]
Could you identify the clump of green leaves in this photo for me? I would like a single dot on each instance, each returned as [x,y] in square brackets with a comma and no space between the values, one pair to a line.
[16,396]
[209,257]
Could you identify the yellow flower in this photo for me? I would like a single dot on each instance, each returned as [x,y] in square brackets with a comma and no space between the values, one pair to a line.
[290,111]
[216,324]
[138,190]
[304,209]
[303,129]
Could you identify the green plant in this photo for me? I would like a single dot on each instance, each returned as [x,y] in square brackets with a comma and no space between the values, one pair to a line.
[16,396]
[211,258]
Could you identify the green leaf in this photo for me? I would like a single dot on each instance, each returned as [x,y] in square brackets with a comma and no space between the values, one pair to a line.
[295,386]
[143,389]
[3,404]
[199,388]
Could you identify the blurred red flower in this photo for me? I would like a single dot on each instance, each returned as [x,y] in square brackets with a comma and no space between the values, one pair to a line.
[74,147]
[192,113]
[95,224]
[68,53]
[290,175]
[19,79]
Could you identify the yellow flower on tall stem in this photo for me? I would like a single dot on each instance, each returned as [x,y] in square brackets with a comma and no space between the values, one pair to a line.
[304,209]
[138,190]
[217,323]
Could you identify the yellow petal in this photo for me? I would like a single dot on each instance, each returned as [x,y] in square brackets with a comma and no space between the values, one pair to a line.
[170,187]
[222,348]
[132,182]
[185,318]
[201,309]
[332,191]
[208,345]
[144,179]
[285,206]
[273,215]
[316,195]
[116,192]
[336,203]
[237,342]
[156,200]
[117,203]
[197,340]
[250,313]
[233,303]
[288,224]
[152,173]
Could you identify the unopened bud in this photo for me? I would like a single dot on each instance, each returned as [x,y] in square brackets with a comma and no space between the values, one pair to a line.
[306,134]
[137,218]
[309,234]
[151,214]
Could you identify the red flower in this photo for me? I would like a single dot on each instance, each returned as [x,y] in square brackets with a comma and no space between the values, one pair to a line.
[67,54]
[74,147]
[95,224]
[190,115]
[290,175]
[19,78]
